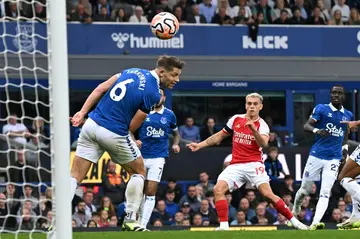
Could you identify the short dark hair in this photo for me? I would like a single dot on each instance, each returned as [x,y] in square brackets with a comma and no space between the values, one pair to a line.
[169,191]
[284,11]
[169,62]
[340,86]
[271,149]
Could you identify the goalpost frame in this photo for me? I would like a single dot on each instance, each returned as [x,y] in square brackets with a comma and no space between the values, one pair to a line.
[60,146]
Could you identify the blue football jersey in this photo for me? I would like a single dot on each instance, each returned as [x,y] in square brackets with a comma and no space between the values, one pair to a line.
[135,89]
[153,133]
[328,117]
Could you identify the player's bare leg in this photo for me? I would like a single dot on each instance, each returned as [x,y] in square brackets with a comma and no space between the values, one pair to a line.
[347,179]
[134,193]
[149,202]
[221,205]
[79,170]
[266,191]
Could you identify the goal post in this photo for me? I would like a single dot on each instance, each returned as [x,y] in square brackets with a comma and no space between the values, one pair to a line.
[59,115]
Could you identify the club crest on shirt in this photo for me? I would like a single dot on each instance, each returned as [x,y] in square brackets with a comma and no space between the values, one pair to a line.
[163,120]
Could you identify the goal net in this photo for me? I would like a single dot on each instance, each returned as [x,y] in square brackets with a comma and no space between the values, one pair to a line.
[34,138]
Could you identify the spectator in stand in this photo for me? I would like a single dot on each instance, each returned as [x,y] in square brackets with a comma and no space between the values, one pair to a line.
[113,221]
[103,16]
[308,210]
[33,156]
[16,131]
[342,208]
[26,205]
[336,216]
[281,220]
[324,13]
[263,221]
[189,131]
[273,166]
[73,223]
[22,171]
[161,214]
[287,199]
[104,218]
[164,4]
[279,6]
[178,13]
[336,18]
[315,19]
[283,19]
[27,220]
[186,210]
[40,11]
[3,210]
[158,223]
[186,8]
[91,223]
[81,15]
[138,16]
[260,18]
[245,206]
[241,18]
[204,182]
[207,9]
[146,5]
[260,214]
[12,205]
[354,18]
[113,184]
[121,16]
[210,197]
[173,187]
[209,128]
[251,196]
[171,207]
[348,201]
[288,187]
[314,196]
[28,191]
[268,13]
[240,219]
[208,213]
[95,216]
[344,10]
[274,140]
[191,199]
[87,5]
[229,11]
[197,220]
[196,17]
[101,4]
[106,204]
[80,216]
[178,219]
[232,210]
[13,11]
[297,19]
[247,10]
[89,206]
[300,5]
[186,223]
[199,193]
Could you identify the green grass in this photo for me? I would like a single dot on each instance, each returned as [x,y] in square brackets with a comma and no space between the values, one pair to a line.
[285,234]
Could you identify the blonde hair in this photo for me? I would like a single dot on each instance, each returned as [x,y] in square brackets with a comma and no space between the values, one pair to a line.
[255,95]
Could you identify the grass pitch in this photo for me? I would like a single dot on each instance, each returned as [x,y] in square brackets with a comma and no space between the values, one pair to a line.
[285,234]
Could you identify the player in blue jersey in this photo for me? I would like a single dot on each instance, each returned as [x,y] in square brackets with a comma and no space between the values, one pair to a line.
[326,152]
[153,141]
[349,178]
[107,129]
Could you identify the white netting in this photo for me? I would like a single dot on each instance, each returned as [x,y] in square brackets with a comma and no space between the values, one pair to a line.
[25,118]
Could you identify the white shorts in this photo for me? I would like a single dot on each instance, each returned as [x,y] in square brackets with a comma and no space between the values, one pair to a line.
[154,168]
[238,174]
[356,155]
[94,140]
[316,167]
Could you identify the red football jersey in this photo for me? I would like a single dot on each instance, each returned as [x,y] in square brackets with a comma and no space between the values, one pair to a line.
[245,149]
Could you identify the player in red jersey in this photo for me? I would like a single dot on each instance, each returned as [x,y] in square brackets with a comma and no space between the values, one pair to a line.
[250,134]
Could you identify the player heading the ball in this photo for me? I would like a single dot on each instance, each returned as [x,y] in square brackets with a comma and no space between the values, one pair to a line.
[250,134]
[117,101]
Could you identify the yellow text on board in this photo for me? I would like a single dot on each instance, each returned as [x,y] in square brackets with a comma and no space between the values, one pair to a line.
[96,171]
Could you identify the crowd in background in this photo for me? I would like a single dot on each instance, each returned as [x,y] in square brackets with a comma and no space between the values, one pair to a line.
[223,12]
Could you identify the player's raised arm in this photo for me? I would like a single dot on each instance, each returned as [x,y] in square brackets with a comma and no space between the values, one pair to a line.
[261,135]
[352,124]
[212,140]
[309,126]
[93,99]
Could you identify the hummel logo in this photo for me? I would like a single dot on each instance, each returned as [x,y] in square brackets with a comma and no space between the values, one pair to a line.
[147,119]
[330,115]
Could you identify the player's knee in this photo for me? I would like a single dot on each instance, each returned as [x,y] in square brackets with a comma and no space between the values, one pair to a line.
[220,189]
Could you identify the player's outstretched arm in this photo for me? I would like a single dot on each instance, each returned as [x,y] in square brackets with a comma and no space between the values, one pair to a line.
[212,140]
[352,124]
[309,126]
[137,121]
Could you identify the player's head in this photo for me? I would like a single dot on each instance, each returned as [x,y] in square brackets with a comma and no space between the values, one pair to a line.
[169,70]
[163,98]
[337,95]
[253,104]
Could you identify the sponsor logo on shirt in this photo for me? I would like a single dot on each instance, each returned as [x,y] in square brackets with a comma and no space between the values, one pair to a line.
[334,131]
[155,133]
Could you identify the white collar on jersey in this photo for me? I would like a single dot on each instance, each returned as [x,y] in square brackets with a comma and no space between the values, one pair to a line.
[154,74]
[159,112]
[334,109]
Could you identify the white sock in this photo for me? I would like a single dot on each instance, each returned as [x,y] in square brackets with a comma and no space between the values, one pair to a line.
[352,187]
[147,210]
[356,208]
[321,207]
[294,221]
[224,225]
[299,198]
[141,208]
[73,186]
[134,195]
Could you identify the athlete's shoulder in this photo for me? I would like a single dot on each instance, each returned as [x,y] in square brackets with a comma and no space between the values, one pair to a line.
[168,111]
